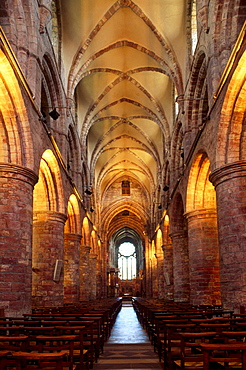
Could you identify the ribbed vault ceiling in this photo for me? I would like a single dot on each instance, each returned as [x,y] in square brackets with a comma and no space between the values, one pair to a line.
[122,61]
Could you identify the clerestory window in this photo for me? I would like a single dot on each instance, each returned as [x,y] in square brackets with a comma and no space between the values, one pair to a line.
[193,27]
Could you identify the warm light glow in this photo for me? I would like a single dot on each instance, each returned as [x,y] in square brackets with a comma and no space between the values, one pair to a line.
[48,154]
[72,223]
[86,231]
[231,60]
[13,114]
[200,191]
[48,192]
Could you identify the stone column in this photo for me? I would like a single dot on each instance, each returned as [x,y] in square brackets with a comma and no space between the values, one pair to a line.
[92,276]
[180,267]
[168,271]
[204,257]
[84,273]
[71,268]
[160,272]
[104,271]
[148,270]
[48,247]
[230,185]
[154,276]
[99,283]
[16,200]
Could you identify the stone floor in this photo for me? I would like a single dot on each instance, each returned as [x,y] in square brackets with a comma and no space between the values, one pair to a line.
[128,346]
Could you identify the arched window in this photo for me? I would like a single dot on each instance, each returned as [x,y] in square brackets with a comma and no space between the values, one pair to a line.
[193,27]
[127,261]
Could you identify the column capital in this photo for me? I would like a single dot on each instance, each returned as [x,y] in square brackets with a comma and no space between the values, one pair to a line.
[228,172]
[17,172]
[201,213]
[93,256]
[71,236]
[50,216]
[166,246]
[179,234]
[86,248]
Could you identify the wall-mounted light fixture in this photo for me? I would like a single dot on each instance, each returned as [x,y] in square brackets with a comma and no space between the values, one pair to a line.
[91,209]
[160,206]
[88,192]
[54,114]
[166,188]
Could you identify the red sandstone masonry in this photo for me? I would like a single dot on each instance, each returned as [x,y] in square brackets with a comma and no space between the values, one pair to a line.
[48,246]
[71,267]
[16,187]
[229,182]
[180,267]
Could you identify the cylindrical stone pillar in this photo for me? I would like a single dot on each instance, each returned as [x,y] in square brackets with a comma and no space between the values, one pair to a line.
[92,276]
[168,271]
[181,267]
[84,273]
[204,257]
[71,267]
[154,276]
[16,199]
[230,185]
[99,281]
[48,249]
[160,274]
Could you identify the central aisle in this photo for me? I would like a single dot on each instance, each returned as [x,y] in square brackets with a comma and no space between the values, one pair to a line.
[128,346]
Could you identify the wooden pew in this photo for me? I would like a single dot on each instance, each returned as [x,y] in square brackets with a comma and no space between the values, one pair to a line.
[58,343]
[81,355]
[228,355]
[190,357]
[35,360]
[3,359]
[172,341]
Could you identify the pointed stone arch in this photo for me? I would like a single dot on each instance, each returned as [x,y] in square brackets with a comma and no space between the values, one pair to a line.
[48,192]
[86,231]
[202,234]
[229,179]
[48,233]
[72,240]
[200,191]
[231,132]
[16,141]
[73,221]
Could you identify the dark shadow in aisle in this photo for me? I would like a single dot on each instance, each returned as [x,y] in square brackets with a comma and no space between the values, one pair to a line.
[128,346]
